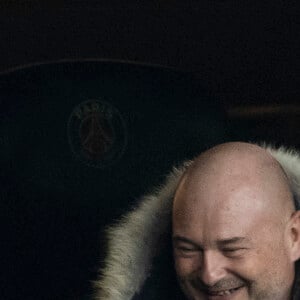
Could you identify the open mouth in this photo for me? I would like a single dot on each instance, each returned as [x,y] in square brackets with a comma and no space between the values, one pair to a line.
[223,292]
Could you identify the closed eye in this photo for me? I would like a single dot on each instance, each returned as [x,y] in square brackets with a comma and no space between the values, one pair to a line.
[185,251]
[234,252]
[185,247]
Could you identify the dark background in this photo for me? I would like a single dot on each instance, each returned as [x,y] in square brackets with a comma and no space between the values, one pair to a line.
[245,54]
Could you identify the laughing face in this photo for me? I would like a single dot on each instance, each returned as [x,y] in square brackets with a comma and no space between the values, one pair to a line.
[235,231]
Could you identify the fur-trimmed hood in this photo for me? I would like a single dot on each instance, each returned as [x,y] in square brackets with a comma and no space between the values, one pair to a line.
[134,242]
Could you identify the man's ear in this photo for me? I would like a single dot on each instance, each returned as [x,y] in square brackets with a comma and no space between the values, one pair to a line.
[295,235]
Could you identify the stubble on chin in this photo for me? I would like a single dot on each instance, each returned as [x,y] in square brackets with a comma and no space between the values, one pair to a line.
[197,290]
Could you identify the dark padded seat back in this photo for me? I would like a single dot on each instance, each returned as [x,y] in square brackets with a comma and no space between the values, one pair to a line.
[79,143]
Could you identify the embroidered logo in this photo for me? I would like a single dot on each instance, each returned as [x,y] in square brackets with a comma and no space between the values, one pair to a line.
[97,133]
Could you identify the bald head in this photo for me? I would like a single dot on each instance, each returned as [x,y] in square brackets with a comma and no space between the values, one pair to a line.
[222,176]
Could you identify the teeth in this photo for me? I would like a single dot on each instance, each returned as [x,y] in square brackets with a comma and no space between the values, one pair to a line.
[222,293]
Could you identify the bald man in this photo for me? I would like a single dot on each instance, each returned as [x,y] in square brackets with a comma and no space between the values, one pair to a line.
[236,234]
[234,226]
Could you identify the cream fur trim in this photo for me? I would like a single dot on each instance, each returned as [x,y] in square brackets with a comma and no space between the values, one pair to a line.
[289,160]
[134,241]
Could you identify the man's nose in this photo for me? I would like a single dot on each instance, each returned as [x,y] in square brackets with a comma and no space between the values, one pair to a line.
[213,268]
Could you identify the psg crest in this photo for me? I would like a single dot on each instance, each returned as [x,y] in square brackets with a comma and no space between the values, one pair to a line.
[97,133]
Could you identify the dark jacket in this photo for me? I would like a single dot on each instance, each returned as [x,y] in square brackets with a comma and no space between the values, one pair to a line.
[139,264]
